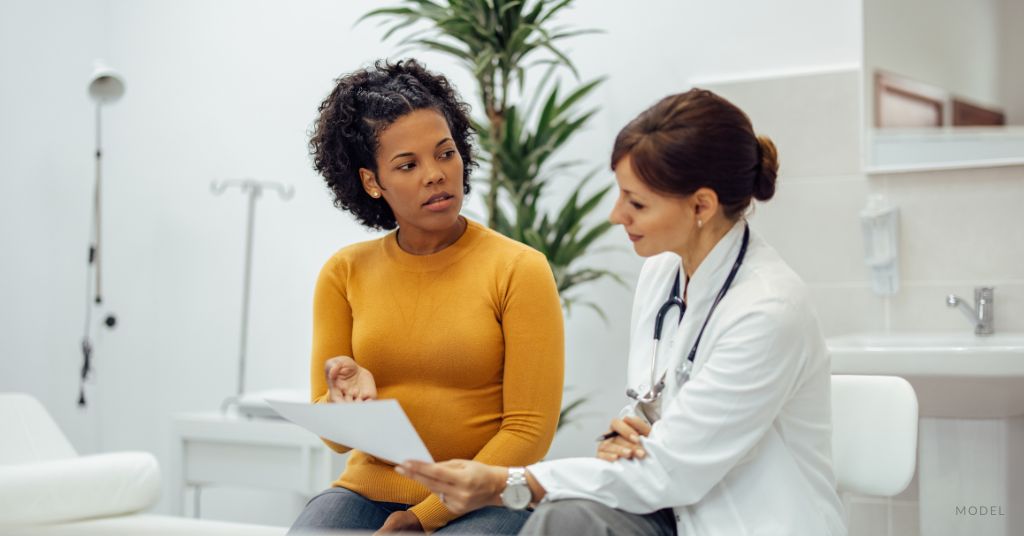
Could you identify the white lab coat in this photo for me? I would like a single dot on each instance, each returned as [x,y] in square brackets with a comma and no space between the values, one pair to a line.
[744,447]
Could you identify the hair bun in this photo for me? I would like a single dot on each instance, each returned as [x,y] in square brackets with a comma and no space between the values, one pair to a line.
[767,171]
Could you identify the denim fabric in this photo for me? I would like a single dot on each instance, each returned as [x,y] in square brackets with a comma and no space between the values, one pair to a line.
[343,509]
[487,520]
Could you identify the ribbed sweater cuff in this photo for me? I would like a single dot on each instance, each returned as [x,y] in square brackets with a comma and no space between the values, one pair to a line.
[432,514]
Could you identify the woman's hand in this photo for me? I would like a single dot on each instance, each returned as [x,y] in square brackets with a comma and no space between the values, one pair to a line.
[400,521]
[347,381]
[627,443]
[463,485]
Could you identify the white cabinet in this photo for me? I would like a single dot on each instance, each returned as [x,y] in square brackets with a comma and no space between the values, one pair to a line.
[215,449]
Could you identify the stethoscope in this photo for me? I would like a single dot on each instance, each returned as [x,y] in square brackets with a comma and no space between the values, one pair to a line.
[674,300]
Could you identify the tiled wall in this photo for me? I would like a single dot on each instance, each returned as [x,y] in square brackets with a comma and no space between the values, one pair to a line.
[813,222]
[970,462]
[959,229]
[878,516]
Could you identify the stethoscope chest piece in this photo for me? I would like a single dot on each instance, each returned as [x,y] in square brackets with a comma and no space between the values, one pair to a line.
[683,372]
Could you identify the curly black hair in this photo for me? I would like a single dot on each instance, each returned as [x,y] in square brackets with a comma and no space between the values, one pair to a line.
[346,134]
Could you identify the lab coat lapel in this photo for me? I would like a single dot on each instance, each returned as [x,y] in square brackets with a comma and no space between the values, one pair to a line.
[703,287]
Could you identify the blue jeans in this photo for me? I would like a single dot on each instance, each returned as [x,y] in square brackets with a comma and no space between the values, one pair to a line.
[344,509]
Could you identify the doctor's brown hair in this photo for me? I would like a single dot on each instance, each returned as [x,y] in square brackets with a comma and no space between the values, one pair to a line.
[697,139]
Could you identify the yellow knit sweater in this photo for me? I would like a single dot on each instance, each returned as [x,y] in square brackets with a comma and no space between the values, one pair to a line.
[469,340]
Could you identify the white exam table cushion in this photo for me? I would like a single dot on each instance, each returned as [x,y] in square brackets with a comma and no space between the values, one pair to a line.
[29,433]
[149,525]
[78,488]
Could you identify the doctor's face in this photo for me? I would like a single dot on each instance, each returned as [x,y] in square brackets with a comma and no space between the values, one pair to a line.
[655,222]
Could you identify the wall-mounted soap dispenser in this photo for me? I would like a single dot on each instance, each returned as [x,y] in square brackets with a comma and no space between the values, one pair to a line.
[880,223]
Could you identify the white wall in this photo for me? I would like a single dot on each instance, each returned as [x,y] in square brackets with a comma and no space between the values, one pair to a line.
[953,44]
[228,89]
[46,138]
[1011,46]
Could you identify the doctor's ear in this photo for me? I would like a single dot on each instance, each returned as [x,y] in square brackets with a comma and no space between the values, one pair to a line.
[370,183]
[705,203]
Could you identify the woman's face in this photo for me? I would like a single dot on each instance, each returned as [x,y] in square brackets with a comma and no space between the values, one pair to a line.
[655,222]
[419,172]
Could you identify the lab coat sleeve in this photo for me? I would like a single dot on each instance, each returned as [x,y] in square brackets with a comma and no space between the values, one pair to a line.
[712,423]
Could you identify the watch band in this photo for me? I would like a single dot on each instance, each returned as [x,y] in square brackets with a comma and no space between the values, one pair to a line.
[516,495]
[516,476]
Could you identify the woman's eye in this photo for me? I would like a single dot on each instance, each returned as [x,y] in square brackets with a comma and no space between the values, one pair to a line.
[448,154]
[407,166]
[636,205]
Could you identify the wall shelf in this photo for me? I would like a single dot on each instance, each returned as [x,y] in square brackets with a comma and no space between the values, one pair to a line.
[912,150]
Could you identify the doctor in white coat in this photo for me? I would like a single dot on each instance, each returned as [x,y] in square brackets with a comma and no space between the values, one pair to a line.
[728,428]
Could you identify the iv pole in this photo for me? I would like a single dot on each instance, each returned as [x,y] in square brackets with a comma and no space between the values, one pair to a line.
[105,86]
[254,189]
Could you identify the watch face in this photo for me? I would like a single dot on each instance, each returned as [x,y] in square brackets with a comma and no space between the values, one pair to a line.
[516,496]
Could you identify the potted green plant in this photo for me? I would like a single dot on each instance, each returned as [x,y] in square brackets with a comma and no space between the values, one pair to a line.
[500,42]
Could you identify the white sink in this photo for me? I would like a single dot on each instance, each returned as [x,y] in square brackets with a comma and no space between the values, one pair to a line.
[955,375]
[970,393]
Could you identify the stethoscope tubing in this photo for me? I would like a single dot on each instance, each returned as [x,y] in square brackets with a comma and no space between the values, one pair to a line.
[675,300]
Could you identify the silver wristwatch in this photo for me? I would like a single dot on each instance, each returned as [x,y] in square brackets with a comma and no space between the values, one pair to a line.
[517,492]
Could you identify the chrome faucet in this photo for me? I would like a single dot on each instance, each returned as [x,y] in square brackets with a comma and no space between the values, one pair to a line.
[983,314]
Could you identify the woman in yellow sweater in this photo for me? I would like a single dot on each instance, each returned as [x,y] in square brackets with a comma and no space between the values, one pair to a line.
[460,324]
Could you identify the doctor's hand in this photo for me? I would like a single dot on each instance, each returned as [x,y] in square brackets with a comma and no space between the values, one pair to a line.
[626,443]
[462,485]
[347,381]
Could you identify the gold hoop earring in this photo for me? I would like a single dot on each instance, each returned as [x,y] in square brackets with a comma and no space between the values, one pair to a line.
[375,195]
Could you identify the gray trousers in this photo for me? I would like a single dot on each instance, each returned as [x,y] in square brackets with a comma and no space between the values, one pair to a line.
[580,516]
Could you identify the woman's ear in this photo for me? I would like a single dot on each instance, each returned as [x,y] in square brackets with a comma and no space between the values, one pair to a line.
[705,203]
[370,184]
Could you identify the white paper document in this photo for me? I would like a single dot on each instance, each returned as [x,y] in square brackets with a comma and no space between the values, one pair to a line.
[377,427]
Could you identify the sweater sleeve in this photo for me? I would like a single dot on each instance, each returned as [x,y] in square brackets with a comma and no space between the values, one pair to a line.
[532,325]
[332,330]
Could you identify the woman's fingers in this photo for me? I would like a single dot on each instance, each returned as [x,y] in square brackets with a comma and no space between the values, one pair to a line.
[641,426]
[625,430]
[628,449]
[348,382]
[442,473]
[369,388]
[620,448]
[328,365]
[332,369]
[342,366]
[466,485]
[429,476]
[335,366]
[625,445]
[433,484]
